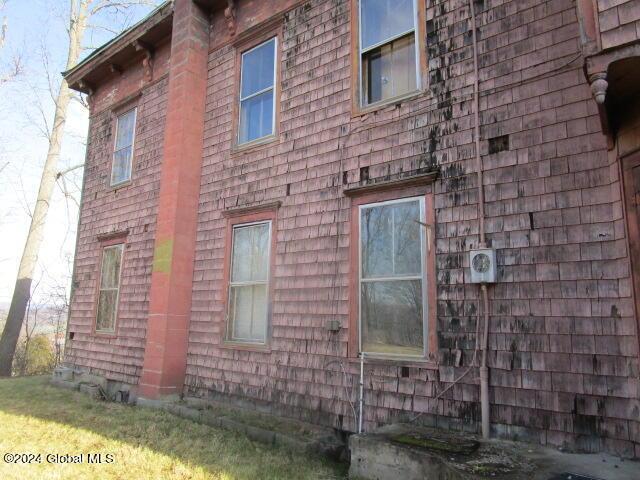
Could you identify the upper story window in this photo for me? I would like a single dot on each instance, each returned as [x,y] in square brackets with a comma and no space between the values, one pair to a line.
[249,283]
[393,313]
[389,58]
[257,92]
[123,147]
[109,290]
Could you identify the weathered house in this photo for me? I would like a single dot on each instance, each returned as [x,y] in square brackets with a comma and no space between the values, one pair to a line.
[274,187]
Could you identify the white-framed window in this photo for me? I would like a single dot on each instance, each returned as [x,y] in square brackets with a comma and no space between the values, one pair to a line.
[258,92]
[389,60]
[123,147]
[109,291]
[392,278]
[249,283]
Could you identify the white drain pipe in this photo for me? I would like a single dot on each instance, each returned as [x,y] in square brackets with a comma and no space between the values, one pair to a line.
[360,412]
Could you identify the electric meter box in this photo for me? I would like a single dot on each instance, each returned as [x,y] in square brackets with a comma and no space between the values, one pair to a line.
[483,265]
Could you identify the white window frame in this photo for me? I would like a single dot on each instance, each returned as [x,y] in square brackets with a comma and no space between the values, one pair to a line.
[422,276]
[119,246]
[230,337]
[361,51]
[115,144]
[264,90]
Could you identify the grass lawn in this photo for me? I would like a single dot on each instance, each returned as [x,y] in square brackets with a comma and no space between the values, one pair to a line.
[36,418]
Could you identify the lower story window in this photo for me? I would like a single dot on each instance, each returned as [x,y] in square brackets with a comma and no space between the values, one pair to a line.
[392,278]
[109,291]
[249,283]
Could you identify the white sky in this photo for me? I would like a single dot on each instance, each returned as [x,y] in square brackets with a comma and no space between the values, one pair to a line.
[35,26]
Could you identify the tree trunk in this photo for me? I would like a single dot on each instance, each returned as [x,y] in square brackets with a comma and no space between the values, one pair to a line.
[22,289]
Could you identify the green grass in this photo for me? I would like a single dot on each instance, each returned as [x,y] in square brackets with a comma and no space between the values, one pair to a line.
[146,444]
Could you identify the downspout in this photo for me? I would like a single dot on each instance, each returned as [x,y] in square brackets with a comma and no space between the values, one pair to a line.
[360,412]
[484,370]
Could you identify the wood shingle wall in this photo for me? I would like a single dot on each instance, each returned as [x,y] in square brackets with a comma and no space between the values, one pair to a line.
[563,337]
[564,360]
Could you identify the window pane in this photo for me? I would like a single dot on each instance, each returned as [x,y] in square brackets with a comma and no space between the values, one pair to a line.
[126,127]
[121,168]
[248,312]
[391,317]
[256,117]
[383,19]
[258,68]
[390,70]
[407,242]
[107,306]
[111,258]
[376,236]
[250,253]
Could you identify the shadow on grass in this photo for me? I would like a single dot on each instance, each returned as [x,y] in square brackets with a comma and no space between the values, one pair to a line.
[148,438]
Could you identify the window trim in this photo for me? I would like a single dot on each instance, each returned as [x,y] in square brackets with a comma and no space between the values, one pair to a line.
[260,92]
[119,240]
[357,106]
[230,323]
[422,277]
[243,217]
[245,46]
[429,273]
[133,108]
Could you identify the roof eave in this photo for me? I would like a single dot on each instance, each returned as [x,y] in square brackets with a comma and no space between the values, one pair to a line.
[109,57]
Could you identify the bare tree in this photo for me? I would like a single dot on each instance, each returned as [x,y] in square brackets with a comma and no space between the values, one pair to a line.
[31,321]
[80,13]
[15,66]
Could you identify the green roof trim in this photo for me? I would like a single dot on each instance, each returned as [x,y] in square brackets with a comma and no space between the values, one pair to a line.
[115,39]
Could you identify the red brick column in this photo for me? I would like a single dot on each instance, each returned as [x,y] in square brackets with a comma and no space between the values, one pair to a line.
[171,281]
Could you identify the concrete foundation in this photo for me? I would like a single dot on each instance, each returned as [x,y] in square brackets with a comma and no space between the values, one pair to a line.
[413,453]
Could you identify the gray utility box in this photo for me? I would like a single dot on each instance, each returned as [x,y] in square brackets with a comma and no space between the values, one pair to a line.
[483,265]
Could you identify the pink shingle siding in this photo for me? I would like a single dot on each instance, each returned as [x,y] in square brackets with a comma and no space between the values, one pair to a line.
[563,333]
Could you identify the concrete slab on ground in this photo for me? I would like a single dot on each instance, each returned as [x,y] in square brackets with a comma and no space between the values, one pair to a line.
[409,452]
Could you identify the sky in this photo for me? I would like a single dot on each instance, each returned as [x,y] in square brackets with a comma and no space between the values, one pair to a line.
[36,32]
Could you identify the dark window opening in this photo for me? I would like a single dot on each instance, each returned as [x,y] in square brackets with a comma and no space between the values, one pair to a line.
[498,144]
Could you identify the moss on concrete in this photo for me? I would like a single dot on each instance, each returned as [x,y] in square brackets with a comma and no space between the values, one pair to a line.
[437,444]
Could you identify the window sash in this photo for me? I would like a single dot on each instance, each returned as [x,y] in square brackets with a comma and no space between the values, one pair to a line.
[102,288]
[129,145]
[362,51]
[231,307]
[387,39]
[272,88]
[422,277]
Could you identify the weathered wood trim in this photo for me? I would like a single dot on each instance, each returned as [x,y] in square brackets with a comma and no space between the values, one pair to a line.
[135,96]
[357,109]
[626,163]
[412,181]
[123,106]
[250,36]
[115,235]
[398,191]
[259,34]
[266,212]
[108,240]
[600,62]
[396,362]
[245,347]
[249,209]
[118,44]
